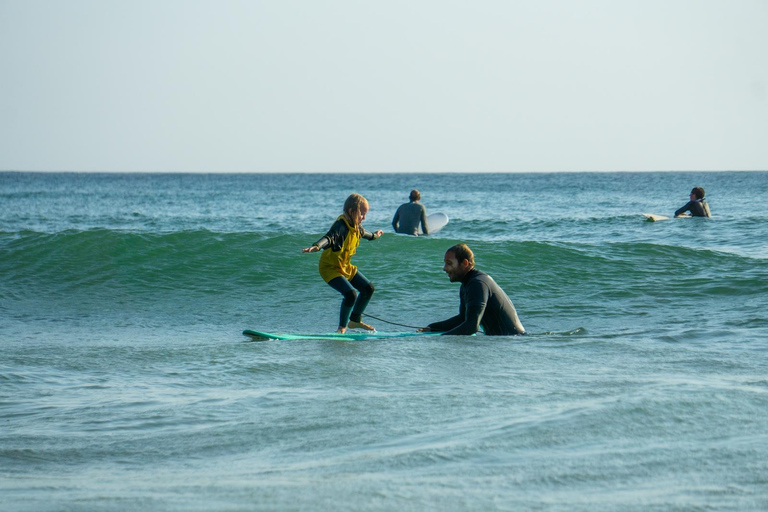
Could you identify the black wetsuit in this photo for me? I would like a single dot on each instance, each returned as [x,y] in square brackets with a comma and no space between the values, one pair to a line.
[407,219]
[697,207]
[483,303]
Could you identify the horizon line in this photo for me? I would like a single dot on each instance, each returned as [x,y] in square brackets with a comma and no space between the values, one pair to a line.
[370,172]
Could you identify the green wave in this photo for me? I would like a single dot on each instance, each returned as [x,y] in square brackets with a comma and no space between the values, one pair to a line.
[113,261]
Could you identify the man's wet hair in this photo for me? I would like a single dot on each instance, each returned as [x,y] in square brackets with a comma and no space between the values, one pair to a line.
[463,252]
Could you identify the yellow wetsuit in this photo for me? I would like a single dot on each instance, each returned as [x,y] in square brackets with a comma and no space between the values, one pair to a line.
[341,243]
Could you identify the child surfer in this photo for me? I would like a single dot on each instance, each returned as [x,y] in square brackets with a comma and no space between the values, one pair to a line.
[335,267]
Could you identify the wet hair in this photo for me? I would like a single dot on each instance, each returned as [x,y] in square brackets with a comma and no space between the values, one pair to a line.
[355,203]
[463,252]
[415,195]
[698,192]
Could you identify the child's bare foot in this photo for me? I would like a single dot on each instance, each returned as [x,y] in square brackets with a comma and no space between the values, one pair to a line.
[360,325]
[341,330]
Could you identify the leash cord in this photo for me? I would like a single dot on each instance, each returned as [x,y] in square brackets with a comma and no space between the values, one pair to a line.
[388,322]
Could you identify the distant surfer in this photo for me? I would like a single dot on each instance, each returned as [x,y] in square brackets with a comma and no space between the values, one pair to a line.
[697,205]
[482,302]
[335,267]
[409,215]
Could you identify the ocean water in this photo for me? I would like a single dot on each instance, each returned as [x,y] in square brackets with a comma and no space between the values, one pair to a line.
[126,384]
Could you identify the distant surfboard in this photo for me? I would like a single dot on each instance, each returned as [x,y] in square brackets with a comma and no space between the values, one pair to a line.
[334,336]
[435,222]
[652,217]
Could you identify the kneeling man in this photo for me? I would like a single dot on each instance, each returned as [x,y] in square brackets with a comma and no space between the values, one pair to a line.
[483,303]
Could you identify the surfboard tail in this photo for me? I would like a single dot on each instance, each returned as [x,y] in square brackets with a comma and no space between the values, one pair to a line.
[257,336]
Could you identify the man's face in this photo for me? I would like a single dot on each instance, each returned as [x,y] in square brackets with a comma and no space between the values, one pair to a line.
[453,268]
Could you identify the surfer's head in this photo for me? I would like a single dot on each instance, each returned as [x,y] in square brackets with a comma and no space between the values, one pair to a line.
[698,192]
[415,195]
[458,261]
[355,209]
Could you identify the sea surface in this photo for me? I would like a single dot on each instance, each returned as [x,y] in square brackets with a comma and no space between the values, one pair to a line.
[126,384]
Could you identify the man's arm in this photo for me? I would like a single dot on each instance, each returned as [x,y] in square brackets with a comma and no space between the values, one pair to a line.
[446,325]
[424,226]
[451,323]
[477,298]
[395,219]
[684,209]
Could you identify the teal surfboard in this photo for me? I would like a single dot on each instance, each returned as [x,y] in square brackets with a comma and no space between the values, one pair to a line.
[347,336]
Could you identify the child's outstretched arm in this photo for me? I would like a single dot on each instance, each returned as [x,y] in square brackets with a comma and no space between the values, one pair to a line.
[324,242]
[372,236]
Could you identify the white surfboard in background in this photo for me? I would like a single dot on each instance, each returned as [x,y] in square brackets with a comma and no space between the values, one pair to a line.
[435,222]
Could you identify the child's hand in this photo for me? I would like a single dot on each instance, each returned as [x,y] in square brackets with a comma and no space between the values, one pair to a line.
[313,248]
[378,233]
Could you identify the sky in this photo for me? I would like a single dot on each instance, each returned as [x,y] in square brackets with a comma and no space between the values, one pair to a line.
[383,86]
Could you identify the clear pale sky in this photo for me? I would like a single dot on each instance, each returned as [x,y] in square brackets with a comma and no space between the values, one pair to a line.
[383,86]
